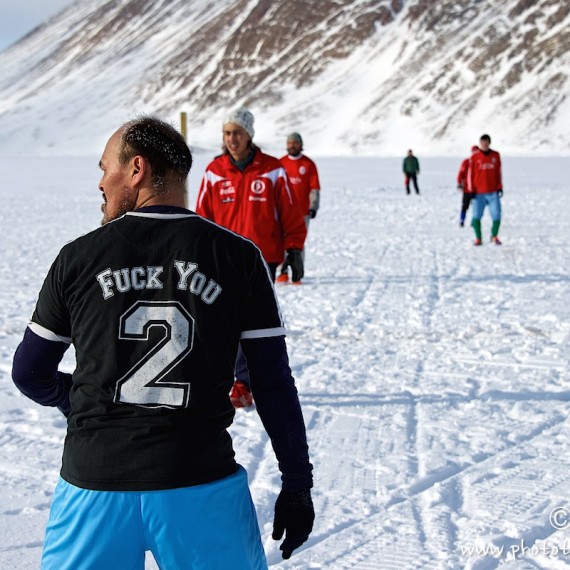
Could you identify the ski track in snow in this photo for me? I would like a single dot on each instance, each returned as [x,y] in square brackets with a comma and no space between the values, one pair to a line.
[433,375]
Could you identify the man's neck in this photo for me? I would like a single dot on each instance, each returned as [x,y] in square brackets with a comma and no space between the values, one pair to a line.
[162,209]
[168,197]
[241,165]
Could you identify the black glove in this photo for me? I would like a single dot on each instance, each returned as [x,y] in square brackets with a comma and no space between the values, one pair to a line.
[294,260]
[500,192]
[312,214]
[294,515]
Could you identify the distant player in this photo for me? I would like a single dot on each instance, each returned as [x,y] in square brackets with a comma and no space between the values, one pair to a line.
[304,179]
[411,169]
[485,179]
[463,185]
[155,303]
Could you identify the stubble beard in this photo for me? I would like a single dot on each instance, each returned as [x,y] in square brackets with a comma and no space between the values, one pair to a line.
[126,204]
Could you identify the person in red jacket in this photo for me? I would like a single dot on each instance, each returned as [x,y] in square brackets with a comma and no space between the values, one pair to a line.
[304,178]
[463,185]
[248,192]
[485,181]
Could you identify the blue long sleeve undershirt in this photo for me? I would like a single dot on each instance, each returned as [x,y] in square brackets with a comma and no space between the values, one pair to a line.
[277,402]
[35,373]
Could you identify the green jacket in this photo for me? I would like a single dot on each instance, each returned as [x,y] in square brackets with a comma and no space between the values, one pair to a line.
[411,165]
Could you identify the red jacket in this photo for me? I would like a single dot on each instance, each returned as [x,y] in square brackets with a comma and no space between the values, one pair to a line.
[302,173]
[485,172]
[256,203]
[463,176]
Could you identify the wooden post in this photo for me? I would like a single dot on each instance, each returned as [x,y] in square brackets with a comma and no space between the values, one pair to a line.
[183,125]
[184,133]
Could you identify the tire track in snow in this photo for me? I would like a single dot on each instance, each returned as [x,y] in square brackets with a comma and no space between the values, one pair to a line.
[370,537]
[425,306]
[31,447]
[24,441]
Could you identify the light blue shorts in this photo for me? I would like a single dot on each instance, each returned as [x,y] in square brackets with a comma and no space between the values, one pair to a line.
[206,527]
[492,200]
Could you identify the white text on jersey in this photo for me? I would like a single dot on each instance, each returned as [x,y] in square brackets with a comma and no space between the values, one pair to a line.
[139,278]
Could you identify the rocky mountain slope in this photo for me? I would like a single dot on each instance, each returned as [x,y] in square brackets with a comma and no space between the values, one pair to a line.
[354,76]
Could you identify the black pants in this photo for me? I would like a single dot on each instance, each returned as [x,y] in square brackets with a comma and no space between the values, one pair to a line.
[413,178]
[465,204]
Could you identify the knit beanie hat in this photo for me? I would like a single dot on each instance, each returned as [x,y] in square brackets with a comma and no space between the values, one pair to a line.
[295,137]
[243,118]
[474,148]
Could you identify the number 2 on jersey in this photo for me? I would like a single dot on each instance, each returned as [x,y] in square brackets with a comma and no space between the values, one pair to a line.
[143,384]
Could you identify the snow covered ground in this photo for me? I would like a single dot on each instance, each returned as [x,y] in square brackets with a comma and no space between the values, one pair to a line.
[433,375]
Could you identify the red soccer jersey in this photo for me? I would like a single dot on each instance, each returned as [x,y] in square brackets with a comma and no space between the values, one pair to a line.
[256,203]
[303,176]
[485,172]
[463,176]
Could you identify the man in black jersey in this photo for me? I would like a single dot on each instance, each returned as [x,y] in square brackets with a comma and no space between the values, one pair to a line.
[155,303]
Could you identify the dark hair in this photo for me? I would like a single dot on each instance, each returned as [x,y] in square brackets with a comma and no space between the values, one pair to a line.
[485,138]
[161,144]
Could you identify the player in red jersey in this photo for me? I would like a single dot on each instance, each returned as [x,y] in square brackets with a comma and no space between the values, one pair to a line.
[485,180]
[464,186]
[304,179]
[247,191]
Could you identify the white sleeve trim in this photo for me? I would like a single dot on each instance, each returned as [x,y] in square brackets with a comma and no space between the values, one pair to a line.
[263,333]
[47,334]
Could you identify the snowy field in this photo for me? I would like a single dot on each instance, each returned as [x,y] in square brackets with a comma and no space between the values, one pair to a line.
[433,375]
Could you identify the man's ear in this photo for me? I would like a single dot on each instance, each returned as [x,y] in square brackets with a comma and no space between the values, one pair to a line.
[139,168]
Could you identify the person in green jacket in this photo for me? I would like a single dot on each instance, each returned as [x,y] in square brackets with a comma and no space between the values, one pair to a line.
[411,168]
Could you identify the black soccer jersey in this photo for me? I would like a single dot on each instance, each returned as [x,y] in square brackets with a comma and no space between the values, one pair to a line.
[155,305]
